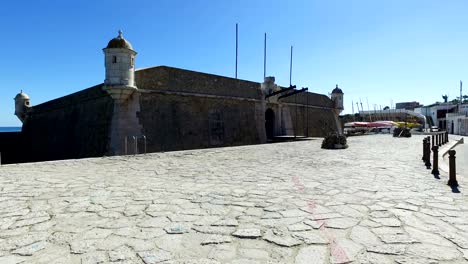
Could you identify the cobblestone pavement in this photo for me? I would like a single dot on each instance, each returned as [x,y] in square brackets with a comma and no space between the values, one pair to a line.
[374,202]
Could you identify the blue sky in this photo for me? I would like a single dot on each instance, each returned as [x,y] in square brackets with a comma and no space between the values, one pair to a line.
[398,50]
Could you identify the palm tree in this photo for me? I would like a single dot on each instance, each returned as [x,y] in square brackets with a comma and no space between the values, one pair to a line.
[445,97]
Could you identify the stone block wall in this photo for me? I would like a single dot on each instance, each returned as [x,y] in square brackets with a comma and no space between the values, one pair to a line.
[175,122]
[179,80]
[74,126]
[313,99]
[314,122]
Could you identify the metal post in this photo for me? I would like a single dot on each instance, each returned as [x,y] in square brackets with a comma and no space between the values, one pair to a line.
[435,161]
[295,125]
[439,140]
[428,154]
[144,139]
[135,141]
[446,138]
[126,142]
[433,141]
[237,47]
[307,115]
[452,169]
[424,150]
[290,68]
[264,58]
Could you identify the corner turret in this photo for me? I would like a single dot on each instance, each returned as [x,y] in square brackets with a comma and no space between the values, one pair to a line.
[337,98]
[22,105]
[120,68]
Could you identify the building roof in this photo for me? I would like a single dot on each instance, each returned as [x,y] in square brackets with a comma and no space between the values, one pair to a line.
[21,95]
[337,90]
[119,43]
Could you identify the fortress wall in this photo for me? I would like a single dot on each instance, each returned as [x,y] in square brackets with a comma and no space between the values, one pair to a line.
[287,122]
[10,147]
[175,122]
[295,113]
[319,121]
[73,126]
[313,99]
[173,79]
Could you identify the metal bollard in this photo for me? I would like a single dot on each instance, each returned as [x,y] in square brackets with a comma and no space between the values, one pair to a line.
[435,161]
[136,145]
[433,141]
[439,141]
[446,137]
[452,169]
[144,139]
[424,150]
[126,142]
[428,154]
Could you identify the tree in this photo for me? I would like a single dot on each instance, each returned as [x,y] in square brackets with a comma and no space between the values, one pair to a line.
[445,97]
[465,99]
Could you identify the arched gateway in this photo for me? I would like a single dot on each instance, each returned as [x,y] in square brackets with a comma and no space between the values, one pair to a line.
[270,123]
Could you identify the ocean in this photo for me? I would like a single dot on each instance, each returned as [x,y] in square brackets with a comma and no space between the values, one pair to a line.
[10,129]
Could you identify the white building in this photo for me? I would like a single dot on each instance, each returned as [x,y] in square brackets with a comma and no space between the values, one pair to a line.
[457,123]
[436,113]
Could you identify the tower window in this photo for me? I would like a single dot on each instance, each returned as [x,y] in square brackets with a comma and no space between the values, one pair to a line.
[132,61]
[114,59]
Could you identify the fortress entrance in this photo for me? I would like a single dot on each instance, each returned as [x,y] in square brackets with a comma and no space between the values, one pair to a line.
[270,124]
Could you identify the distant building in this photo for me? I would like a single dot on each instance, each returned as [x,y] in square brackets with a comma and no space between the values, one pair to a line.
[457,122]
[408,105]
[435,113]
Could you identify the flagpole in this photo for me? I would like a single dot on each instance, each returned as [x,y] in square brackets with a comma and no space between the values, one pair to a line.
[368,110]
[290,67]
[264,58]
[237,46]
[461,100]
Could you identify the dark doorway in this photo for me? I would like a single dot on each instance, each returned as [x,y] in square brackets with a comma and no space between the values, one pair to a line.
[270,124]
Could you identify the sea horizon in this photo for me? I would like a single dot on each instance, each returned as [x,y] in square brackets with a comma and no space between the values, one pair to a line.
[10,129]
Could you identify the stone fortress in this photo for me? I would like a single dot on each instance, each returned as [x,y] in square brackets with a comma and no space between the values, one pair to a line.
[164,109]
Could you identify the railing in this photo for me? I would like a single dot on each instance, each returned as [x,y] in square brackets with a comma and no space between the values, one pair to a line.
[135,144]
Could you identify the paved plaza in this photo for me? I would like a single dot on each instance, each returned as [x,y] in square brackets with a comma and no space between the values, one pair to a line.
[293,202]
